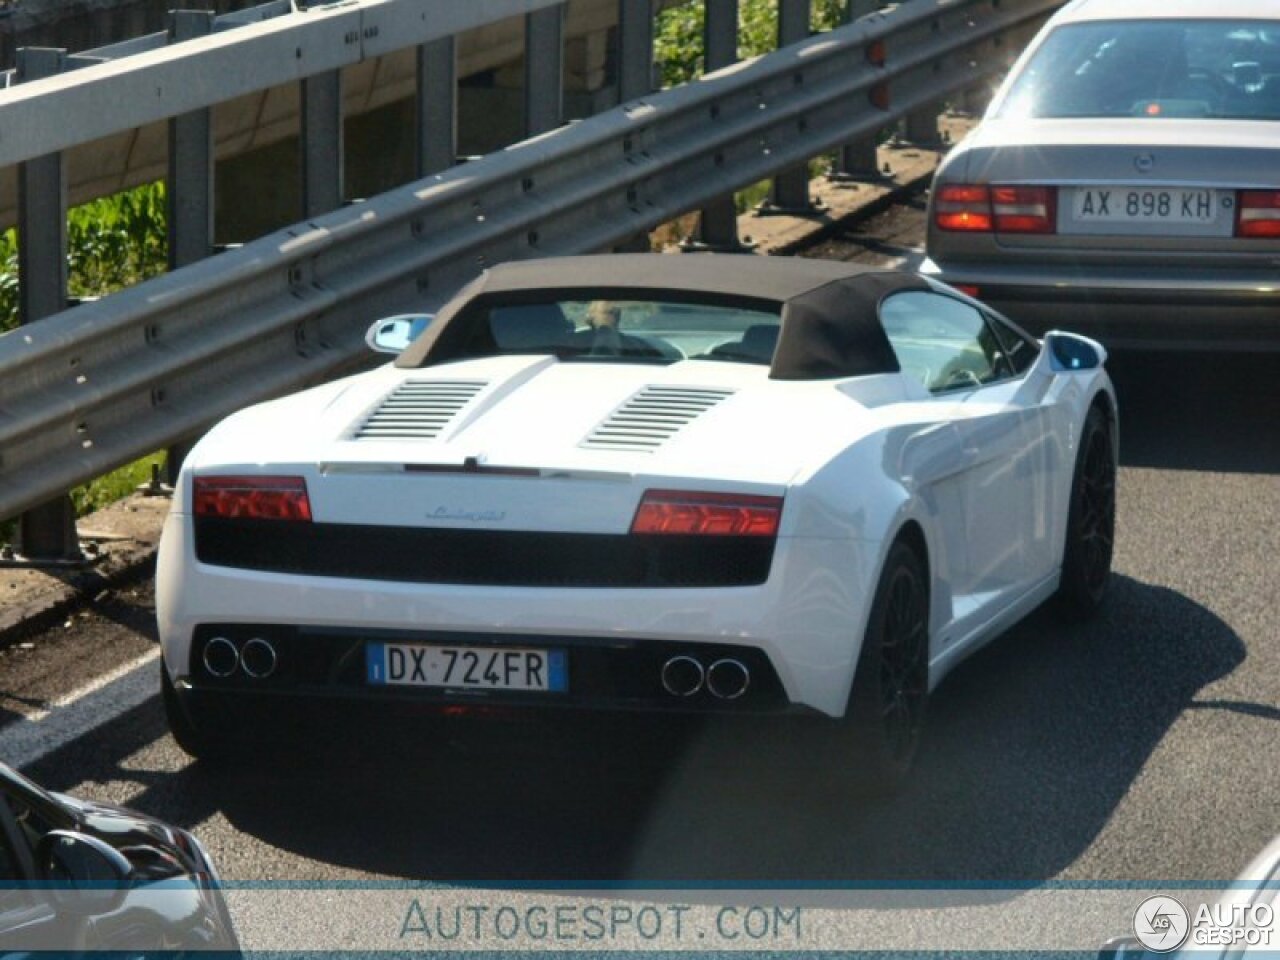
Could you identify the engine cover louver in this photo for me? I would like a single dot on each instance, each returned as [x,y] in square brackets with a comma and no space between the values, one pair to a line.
[652,416]
[418,409]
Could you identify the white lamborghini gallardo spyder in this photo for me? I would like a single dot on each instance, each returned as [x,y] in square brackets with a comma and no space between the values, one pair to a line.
[698,483]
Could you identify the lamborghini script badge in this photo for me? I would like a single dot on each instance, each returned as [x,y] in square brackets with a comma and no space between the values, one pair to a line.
[470,516]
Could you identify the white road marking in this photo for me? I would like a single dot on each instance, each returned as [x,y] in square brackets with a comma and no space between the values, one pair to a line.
[72,715]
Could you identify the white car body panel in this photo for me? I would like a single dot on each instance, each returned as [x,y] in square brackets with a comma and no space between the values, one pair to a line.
[985,472]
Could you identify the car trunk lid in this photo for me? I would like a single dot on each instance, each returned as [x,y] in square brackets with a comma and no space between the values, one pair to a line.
[1132,190]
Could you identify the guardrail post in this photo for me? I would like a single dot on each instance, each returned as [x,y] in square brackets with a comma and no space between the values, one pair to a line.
[858,160]
[46,533]
[921,126]
[321,145]
[437,134]
[635,75]
[635,49]
[543,70]
[718,221]
[189,185]
[790,192]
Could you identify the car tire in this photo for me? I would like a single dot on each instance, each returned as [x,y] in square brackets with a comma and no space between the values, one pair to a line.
[885,718]
[1091,518]
[187,734]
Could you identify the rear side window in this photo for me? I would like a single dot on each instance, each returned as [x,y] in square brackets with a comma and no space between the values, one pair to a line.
[942,342]
[1151,69]
[1019,349]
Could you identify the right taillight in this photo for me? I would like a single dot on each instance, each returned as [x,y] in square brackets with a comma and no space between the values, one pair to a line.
[251,498]
[1000,208]
[707,514]
[1258,214]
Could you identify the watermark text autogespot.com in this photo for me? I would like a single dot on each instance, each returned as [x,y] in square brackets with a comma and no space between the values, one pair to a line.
[594,922]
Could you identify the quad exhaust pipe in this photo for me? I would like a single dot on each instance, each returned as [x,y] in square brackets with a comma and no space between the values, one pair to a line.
[725,679]
[257,658]
[728,679]
[682,676]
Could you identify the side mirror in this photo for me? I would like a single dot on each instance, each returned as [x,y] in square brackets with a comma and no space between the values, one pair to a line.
[1069,352]
[85,876]
[393,334]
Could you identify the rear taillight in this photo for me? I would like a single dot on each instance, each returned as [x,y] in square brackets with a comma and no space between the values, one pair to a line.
[975,208]
[1258,214]
[256,498]
[963,207]
[707,514]
[1024,209]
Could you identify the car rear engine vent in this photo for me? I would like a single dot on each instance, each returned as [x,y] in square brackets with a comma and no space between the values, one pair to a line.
[418,409]
[652,416]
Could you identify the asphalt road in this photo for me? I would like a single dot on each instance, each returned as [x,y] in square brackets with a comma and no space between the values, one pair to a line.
[1143,745]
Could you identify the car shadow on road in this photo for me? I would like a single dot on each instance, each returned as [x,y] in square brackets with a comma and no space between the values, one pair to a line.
[1031,745]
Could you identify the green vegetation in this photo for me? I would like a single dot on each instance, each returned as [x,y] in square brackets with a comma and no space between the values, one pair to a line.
[678,37]
[112,242]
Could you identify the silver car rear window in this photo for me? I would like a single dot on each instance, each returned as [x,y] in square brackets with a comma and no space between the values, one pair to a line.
[1227,69]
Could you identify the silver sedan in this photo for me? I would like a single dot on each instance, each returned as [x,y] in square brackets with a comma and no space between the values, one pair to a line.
[1126,179]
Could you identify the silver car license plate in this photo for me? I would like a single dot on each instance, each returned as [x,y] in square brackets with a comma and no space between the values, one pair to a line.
[1113,209]
[483,668]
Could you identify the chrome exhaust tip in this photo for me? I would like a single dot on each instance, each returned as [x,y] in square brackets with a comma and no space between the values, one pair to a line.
[258,658]
[728,679]
[682,676]
[221,657]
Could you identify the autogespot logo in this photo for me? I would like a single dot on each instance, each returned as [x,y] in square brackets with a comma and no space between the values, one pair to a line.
[1161,924]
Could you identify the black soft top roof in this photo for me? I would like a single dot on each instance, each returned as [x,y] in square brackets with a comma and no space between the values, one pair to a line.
[830,317]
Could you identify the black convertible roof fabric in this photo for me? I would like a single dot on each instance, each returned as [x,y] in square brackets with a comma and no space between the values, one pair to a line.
[830,318]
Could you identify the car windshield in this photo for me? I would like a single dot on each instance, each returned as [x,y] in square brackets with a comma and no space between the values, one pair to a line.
[622,330]
[1152,69]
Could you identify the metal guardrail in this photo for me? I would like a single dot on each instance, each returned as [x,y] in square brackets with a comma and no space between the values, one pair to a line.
[96,386]
[145,82]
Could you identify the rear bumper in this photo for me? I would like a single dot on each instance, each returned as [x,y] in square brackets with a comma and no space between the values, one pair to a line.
[329,665]
[802,626]
[1173,310]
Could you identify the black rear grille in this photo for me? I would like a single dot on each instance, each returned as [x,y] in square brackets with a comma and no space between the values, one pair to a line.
[483,557]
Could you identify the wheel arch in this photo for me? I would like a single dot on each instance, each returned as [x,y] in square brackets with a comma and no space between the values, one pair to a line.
[908,529]
[1105,401]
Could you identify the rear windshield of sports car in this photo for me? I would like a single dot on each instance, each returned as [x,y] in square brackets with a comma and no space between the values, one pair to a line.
[620,329]
[1149,69]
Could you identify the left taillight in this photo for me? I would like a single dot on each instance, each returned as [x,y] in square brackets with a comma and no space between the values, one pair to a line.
[252,497]
[707,514]
[963,208]
[1000,208]
[1024,209]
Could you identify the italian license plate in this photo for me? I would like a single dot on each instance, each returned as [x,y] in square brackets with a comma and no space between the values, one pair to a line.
[467,668]
[1152,208]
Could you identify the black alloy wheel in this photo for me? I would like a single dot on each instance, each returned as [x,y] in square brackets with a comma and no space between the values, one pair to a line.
[904,665]
[1091,521]
[885,718]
